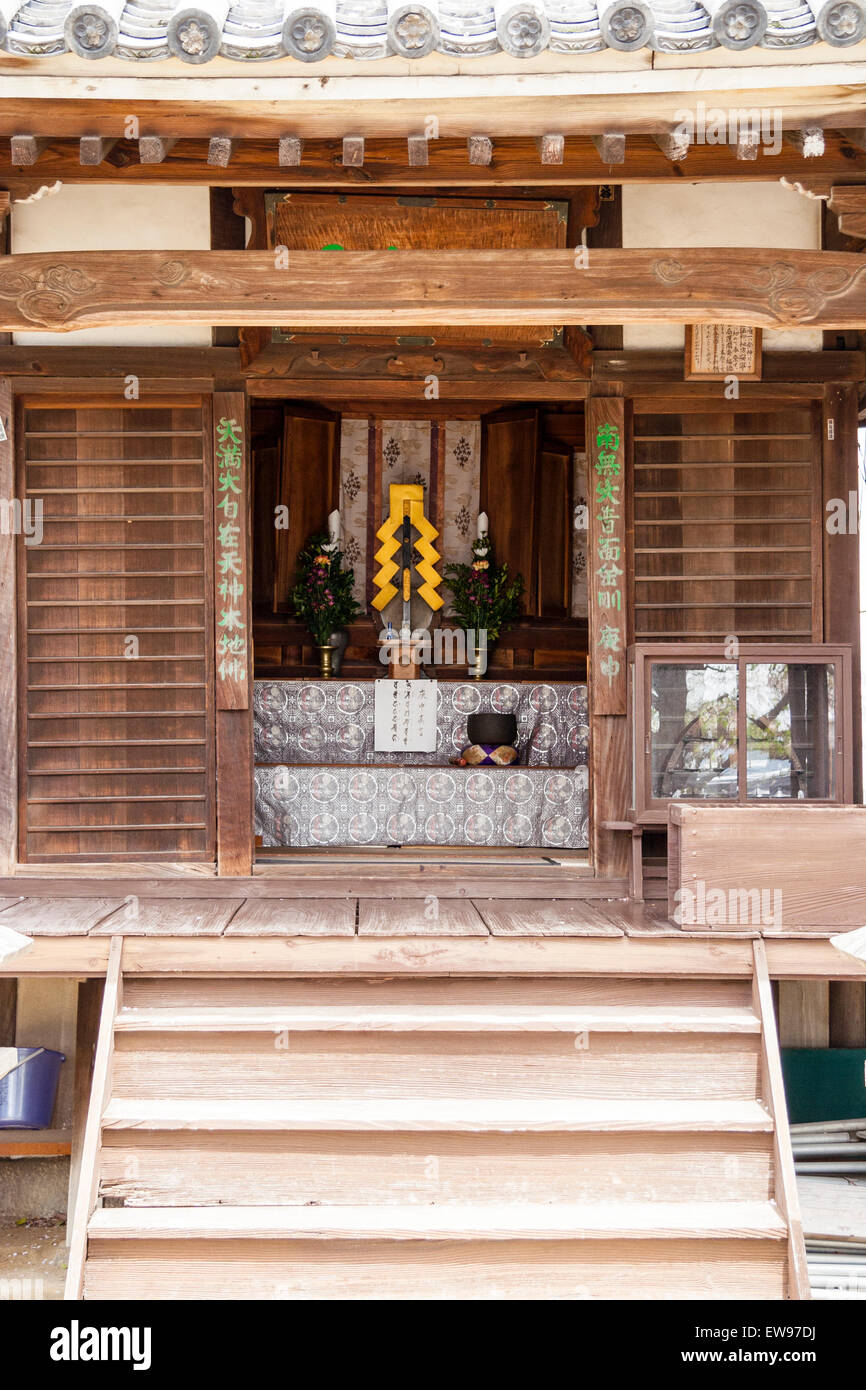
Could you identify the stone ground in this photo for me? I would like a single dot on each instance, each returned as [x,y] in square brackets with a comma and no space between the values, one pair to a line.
[33,1258]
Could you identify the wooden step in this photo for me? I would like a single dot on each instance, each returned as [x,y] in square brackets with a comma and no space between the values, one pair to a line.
[478,1115]
[266,1168]
[267,991]
[455,1221]
[404,1065]
[442,1018]
[427,1270]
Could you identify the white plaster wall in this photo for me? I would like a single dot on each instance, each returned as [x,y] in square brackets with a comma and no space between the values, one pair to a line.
[719,214]
[94,217]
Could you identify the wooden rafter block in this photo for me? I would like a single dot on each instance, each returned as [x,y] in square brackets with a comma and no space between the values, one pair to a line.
[674,144]
[94,149]
[611,147]
[849,205]
[809,141]
[152,149]
[551,148]
[746,146]
[857,138]
[480,149]
[219,151]
[26,149]
[353,151]
[417,147]
[291,151]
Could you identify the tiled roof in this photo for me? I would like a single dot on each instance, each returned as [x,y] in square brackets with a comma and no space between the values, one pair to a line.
[249,30]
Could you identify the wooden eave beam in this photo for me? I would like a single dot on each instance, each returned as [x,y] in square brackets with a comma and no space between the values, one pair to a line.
[395,163]
[762,287]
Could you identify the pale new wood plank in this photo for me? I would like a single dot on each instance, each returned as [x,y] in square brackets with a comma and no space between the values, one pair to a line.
[452,1221]
[431,1114]
[833,1208]
[60,916]
[430,916]
[523,917]
[272,992]
[100,1089]
[294,917]
[774,1097]
[194,1168]
[171,917]
[487,1018]
[435,1270]
[414,1066]
[441,955]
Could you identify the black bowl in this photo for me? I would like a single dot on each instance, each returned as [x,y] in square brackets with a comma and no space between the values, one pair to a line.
[491,727]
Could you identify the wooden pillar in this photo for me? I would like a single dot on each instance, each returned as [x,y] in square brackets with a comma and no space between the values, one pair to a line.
[609,626]
[87,1027]
[8,667]
[233,648]
[841,556]
[804,1013]
[847,1013]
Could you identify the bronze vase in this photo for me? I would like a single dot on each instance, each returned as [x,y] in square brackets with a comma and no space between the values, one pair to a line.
[326,661]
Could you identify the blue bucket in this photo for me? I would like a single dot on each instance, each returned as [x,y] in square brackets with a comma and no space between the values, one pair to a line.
[28,1092]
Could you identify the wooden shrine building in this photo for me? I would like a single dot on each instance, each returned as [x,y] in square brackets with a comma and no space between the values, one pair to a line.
[572,288]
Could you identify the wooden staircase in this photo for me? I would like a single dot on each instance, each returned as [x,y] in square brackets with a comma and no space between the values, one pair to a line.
[465,1138]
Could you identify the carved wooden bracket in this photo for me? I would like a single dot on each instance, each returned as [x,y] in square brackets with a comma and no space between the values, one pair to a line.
[849,204]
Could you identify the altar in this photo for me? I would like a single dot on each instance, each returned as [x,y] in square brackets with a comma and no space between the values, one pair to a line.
[320,782]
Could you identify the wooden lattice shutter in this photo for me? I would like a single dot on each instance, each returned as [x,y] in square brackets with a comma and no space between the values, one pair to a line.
[116,748]
[727,523]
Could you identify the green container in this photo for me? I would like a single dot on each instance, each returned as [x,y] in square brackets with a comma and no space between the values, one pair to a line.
[824,1083]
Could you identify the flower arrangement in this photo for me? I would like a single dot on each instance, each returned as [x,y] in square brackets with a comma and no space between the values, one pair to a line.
[485,597]
[322,596]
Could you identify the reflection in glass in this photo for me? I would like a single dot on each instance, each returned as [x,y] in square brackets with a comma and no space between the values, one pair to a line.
[790,710]
[693,730]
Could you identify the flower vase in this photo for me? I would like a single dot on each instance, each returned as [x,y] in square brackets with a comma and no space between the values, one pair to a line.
[339,640]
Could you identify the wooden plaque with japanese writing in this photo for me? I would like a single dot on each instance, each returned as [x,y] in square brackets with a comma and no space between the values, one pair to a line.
[231,568]
[606,560]
[715,351]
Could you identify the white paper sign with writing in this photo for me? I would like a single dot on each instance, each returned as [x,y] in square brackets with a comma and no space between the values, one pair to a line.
[405,719]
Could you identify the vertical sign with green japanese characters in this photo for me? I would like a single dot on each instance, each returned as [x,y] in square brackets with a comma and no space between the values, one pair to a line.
[607,556]
[231,598]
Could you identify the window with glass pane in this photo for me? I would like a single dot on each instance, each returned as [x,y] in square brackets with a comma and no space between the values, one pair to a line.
[791,730]
[693,730]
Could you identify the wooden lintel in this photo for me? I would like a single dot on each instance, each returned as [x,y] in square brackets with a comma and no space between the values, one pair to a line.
[388,163]
[763,287]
